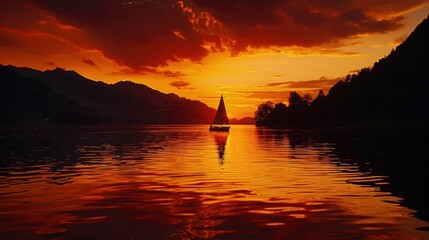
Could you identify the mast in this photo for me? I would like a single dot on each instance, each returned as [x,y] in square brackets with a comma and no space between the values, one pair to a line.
[221,117]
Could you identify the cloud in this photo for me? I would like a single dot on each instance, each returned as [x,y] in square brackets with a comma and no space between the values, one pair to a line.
[354,71]
[154,33]
[274,84]
[51,64]
[89,62]
[314,84]
[254,23]
[322,83]
[151,70]
[174,74]
[274,96]
[135,33]
[280,96]
[181,85]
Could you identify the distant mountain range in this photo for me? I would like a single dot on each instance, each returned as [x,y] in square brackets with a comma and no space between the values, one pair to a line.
[392,92]
[246,120]
[66,96]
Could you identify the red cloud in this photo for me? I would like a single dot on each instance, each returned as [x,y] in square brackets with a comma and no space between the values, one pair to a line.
[322,83]
[256,23]
[134,33]
[51,64]
[180,85]
[151,33]
[172,74]
[311,87]
[89,62]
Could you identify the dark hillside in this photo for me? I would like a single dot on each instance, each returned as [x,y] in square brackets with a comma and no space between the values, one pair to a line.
[393,92]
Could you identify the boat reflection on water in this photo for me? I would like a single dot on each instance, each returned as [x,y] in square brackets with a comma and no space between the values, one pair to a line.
[221,139]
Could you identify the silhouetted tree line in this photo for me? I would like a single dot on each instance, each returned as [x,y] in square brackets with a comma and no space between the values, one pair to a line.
[392,92]
[296,114]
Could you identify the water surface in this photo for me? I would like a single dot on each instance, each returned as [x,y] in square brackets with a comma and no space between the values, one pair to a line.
[184,182]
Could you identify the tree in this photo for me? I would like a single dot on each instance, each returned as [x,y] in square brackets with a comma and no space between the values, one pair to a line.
[319,99]
[295,99]
[307,99]
[264,109]
[280,106]
[321,94]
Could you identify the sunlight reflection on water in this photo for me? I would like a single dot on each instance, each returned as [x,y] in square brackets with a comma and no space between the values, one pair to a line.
[183,182]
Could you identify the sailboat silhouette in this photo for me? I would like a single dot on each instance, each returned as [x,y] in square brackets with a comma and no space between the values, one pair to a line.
[220,122]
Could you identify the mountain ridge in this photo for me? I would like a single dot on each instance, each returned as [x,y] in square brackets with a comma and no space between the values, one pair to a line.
[121,101]
[29,100]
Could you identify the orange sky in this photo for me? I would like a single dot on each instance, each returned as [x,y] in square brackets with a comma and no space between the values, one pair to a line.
[251,51]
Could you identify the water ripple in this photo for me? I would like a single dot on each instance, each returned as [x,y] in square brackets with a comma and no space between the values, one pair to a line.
[183,182]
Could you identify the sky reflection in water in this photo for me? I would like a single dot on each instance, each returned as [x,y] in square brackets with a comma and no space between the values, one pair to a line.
[183,182]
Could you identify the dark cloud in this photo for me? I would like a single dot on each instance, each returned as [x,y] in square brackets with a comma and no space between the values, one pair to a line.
[172,74]
[151,33]
[89,62]
[280,96]
[151,70]
[135,33]
[254,23]
[321,83]
[51,64]
[181,85]
[274,84]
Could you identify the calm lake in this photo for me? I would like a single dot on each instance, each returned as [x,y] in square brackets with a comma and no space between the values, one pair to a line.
[184,182]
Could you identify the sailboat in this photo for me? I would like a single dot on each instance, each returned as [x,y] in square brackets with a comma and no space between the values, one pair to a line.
[220,122]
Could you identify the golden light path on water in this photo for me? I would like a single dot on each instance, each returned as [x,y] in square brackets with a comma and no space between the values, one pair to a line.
[183,182]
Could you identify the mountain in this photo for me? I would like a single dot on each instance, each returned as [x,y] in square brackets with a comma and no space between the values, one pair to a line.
[394,89]
[246,120]
[392,92]
[122,101]
[24,98]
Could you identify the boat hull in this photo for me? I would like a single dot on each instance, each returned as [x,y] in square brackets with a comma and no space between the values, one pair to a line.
[219,128]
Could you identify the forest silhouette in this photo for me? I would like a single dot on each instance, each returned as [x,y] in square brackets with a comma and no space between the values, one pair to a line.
[391,93]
